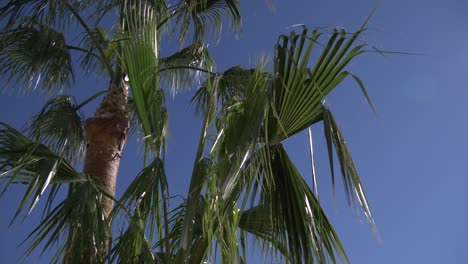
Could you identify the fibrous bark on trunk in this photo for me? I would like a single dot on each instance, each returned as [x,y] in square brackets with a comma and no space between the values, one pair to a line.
[106,134]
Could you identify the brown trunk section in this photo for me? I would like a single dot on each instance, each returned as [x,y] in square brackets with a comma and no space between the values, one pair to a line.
[106,134]
[105,138]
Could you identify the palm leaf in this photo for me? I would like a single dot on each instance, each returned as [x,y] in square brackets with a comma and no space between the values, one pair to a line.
[140,57]
[35,55]
[351,181]
[33,164]
[230,88]
[205,16]
[186,67]
[289,216]
[60,127]
[92,60]
[80,217]
[299,90]
[147,194]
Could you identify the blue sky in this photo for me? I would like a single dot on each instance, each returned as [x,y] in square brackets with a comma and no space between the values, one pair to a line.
[411,154]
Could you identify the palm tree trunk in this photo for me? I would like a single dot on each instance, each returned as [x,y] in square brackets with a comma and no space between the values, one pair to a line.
[106,134]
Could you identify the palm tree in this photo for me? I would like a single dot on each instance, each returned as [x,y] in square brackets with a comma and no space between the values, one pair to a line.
[243,186]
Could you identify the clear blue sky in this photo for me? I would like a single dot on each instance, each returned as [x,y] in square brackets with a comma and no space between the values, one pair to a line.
[411,155]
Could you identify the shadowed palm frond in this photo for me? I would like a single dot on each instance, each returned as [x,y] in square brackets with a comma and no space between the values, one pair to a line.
[205,16]
[92,60]
[34,55]
[59,125]
[289,216]
[186,67]
[132,245]
[231,85]
[23,161]
[147,196]
[80,217]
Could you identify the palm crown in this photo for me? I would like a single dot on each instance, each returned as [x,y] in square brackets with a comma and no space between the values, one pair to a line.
[243,182]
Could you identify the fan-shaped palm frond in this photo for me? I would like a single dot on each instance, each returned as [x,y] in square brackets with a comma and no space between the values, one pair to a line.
[140,58]
[299,90]
[231,83]
[33,164]
[92,60]
[80,217]
[205,16]
[59,126]
[186,67]
[35,55]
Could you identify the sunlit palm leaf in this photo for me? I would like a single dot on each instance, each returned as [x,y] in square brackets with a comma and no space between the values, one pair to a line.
[60,127]
[80,217]
[299,90]
[186,67]
[34,55]
[33,164]
[205,16]
[351,181]
[140,57]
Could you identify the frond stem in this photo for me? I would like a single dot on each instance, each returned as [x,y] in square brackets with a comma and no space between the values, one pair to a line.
[94,96]
[185,67]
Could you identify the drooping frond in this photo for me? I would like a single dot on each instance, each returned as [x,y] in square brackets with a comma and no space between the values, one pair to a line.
[80,217]
[185,68]
[35,55]
[299,89]
[289,217]
[23,161]
[59,125]
[351,181]
[147,198]
[205,16]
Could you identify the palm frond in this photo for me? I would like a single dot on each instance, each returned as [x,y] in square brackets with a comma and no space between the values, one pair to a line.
[351,180]
[44,10]
[147,196]
[205,16]
[23,161]
[140,58]
[231,85]
[92,60]
[35,55]
[80,217]
[289,216]
[299,90]
[186,67]
[132,245]
[59,126]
